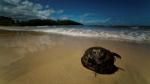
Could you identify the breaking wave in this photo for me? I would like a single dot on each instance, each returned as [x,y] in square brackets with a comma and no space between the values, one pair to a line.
[125,34]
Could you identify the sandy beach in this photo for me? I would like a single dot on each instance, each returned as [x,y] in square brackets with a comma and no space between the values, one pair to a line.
[33,58]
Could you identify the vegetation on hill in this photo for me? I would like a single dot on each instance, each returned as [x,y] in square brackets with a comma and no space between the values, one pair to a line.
[7,21]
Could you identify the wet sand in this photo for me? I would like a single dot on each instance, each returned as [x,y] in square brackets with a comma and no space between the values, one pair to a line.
[36,58]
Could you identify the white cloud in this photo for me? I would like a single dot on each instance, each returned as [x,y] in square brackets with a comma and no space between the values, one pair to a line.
[87,18]
[64,18]
[106,20]
[25,9]
[60,11]
[83,18]
[86,15]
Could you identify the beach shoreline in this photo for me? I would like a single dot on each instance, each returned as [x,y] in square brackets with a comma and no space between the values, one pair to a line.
[56,59]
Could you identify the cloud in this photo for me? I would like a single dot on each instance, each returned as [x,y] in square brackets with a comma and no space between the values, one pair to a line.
[86,15]
[65,18]
[84,18]
[91,18]
[106,20]
[25,9]
[60,11]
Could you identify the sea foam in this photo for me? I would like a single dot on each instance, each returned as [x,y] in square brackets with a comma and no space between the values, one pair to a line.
[123,34]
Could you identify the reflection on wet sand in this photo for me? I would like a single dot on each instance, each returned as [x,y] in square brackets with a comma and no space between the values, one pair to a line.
[33,58]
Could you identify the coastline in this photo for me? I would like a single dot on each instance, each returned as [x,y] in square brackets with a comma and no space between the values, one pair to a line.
[55,59]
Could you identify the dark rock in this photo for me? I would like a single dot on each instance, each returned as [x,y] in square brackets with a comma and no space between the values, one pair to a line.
[100,60]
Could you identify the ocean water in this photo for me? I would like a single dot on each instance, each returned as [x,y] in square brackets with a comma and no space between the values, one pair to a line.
[134,34]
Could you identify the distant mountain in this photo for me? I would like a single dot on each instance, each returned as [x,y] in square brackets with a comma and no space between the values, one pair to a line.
[7,21]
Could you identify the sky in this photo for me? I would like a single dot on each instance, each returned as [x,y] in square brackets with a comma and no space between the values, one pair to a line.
[96,12]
